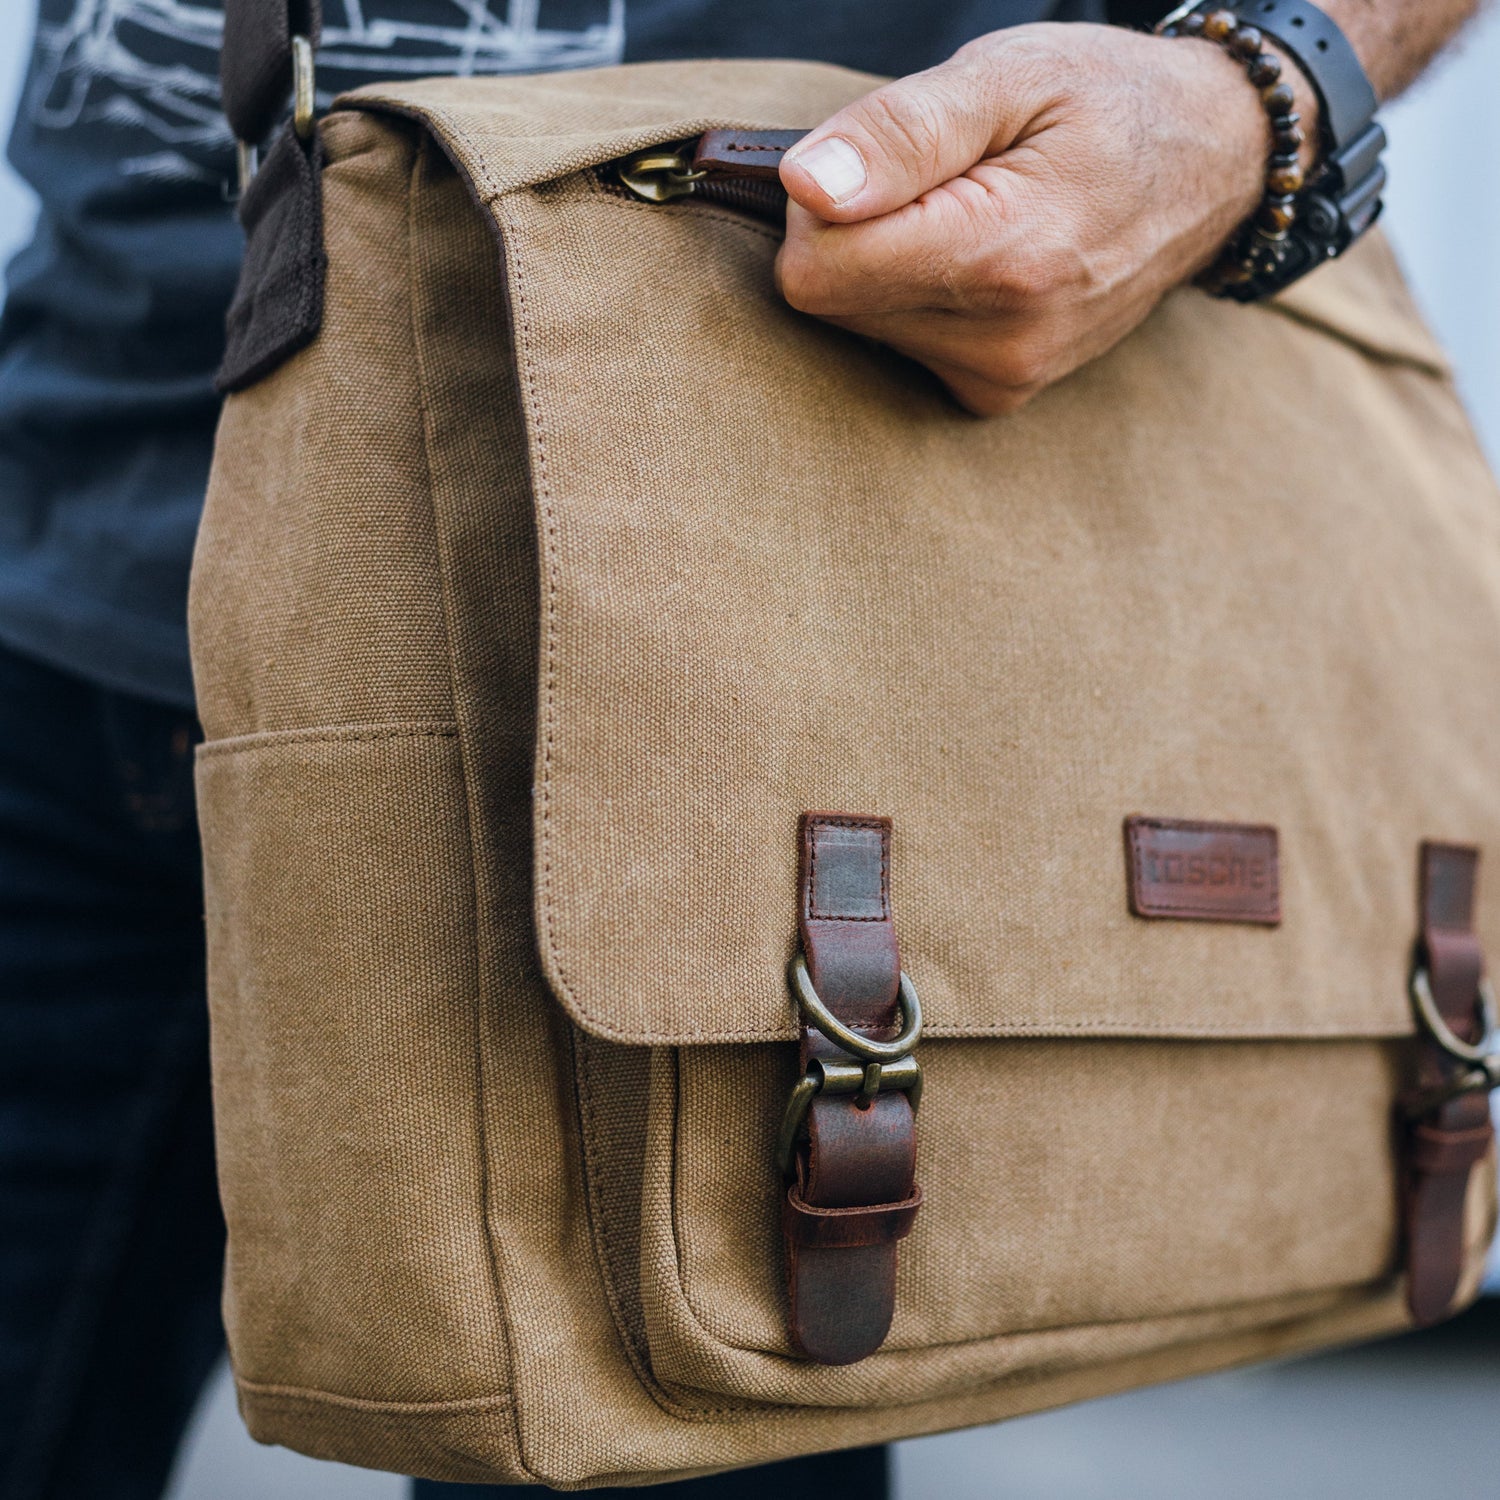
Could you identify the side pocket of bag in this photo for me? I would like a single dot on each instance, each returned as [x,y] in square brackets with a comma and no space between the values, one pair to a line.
[345,1004]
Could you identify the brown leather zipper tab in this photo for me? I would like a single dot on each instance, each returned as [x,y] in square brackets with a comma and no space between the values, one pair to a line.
[737,168]
[744,153]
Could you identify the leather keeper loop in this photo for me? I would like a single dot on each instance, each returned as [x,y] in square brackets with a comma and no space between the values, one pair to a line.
[1433,1149]
[840,1228]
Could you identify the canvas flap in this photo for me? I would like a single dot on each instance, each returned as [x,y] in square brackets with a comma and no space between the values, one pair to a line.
[1244,568]
[509,133]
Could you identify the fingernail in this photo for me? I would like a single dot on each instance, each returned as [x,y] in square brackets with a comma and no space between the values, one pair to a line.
[835,166]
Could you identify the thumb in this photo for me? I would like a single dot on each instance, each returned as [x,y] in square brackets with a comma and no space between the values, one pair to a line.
[895,144]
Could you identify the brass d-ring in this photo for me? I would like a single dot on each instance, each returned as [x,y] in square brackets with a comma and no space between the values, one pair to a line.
[304,94]
[851,1041]
[1427,1012]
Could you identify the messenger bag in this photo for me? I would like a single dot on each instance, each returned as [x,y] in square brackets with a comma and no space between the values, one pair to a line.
[753,912]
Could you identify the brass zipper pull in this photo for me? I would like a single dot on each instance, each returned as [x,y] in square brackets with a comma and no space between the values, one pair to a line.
[659,175]
[737,160]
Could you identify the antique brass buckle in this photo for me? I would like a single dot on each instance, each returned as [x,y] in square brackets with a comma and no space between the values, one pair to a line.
[883,1066]
[1481,1059]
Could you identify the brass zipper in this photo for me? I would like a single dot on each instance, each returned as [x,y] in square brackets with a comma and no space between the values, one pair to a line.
[659,175]
[666,173]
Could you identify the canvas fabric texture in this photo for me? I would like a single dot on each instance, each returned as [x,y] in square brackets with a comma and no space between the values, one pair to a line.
[534,601]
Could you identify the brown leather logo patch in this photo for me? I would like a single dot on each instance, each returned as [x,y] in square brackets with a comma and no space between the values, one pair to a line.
[1204,872]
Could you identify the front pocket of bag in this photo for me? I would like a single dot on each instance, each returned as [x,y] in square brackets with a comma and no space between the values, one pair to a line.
[344,1005]
[1083,1201]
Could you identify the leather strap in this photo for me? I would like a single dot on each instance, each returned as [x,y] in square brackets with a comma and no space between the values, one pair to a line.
[1442,1147]
[846,1227]
[741,168]
[255,60]
[854,1194]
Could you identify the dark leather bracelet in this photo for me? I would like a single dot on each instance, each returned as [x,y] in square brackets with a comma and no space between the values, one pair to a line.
[1342,199]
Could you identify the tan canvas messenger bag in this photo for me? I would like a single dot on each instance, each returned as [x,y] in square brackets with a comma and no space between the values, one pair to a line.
[605,668]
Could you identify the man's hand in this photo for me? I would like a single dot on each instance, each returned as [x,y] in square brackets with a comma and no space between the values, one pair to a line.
[1015,212]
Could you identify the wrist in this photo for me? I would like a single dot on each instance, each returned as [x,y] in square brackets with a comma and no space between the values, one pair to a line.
[1240,119]
[1231,131]
[1315,205]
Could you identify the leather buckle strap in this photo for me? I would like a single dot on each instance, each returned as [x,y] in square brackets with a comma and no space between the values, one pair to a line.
[1447,1129]
[849,1138]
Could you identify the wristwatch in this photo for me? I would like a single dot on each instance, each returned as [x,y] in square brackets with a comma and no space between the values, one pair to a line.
[1343,198]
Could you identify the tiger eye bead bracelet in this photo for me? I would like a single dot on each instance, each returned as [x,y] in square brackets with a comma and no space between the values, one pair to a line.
[1267,229]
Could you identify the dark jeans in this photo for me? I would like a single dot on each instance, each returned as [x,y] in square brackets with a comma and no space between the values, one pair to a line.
[110,1236]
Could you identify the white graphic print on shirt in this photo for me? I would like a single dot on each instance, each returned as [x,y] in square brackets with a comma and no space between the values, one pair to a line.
[150,68]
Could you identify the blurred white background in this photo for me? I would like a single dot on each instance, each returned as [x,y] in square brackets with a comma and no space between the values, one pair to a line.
[1443,212]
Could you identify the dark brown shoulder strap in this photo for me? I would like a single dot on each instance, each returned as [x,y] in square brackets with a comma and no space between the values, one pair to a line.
[278,303]
[853,1193]
[255,60]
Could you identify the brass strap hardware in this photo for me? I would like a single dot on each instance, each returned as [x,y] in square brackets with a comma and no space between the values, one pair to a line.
[304,94]
[1478,1080]
[1481,1052]
[851,1041]
[659,175]
[885,1066]
[1482,1058]
[304,106]
[246,163]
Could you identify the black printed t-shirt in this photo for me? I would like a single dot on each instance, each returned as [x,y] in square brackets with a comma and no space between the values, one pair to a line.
[113,319]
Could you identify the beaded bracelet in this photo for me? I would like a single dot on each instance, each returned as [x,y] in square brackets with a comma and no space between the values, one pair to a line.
[1255,249]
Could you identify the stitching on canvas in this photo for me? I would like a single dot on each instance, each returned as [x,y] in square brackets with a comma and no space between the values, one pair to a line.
[603,1241]
[1121,1026]
[879,825]
[270,739]
[674,1158]
[511,269]
[426,145]
[307,1394]
[547,728]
